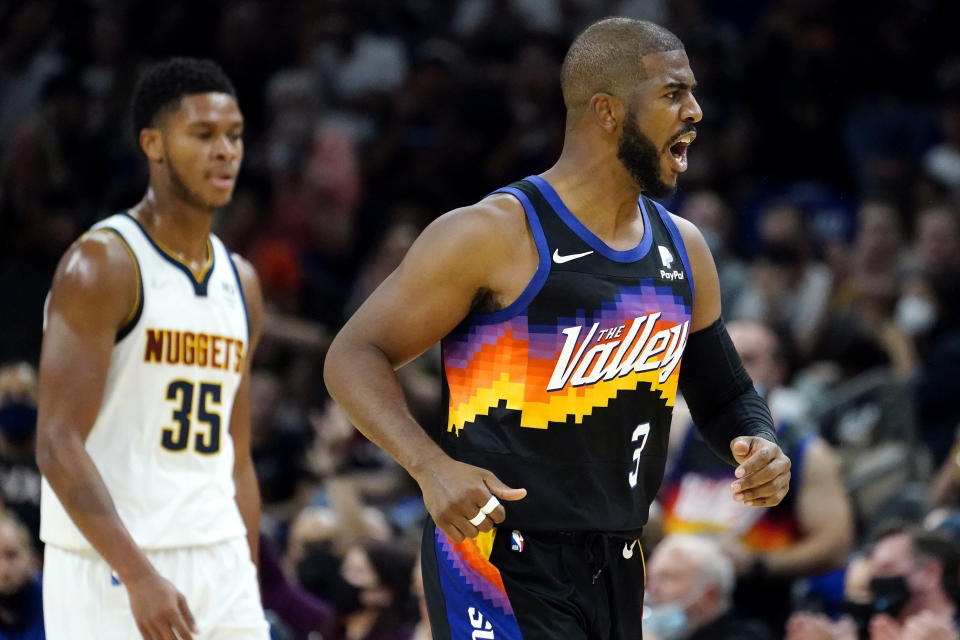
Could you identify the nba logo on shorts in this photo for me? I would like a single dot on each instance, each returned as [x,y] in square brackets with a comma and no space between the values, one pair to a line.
[516,541]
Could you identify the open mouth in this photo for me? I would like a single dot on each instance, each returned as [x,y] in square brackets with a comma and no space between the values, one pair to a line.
[678,150]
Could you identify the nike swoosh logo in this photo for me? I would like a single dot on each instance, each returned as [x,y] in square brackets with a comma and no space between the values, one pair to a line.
[559,259]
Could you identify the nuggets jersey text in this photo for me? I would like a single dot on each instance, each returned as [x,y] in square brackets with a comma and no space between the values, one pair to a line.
[162,438]
[568,391]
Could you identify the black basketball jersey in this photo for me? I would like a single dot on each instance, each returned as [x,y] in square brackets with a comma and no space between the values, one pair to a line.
[569,390]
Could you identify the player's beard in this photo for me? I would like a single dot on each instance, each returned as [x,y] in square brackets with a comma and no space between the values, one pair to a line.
[641,159]
[181,189]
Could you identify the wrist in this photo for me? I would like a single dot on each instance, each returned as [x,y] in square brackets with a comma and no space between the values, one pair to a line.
[425,464]
[134,569]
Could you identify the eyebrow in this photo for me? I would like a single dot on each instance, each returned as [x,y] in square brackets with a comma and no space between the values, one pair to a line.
[208,123]
[678,84]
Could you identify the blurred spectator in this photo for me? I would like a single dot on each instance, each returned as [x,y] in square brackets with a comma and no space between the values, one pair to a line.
[19,475]
[945,488]
[942,162]
[689,594]
[21,599]
[422,629]
[713,217]
[809,533]
[28,58]
[937,260]
[278,444]
[378,577]
[914,585]
[787,288]
[931,300]
[862,331]
[303,613]
[857,610]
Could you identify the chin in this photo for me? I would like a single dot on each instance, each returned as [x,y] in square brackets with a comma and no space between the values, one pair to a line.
[218,200]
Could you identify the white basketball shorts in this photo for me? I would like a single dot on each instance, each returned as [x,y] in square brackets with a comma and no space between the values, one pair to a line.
[82,599]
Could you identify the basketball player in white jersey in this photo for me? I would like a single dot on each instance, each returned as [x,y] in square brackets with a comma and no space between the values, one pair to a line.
[150,502]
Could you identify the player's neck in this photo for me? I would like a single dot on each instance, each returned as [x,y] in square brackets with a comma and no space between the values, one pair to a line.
[595,187]
[176,225]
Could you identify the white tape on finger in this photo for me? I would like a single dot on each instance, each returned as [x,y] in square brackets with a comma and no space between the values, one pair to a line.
[492,504]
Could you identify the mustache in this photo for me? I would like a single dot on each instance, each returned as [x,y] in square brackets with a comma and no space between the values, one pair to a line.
[679,134]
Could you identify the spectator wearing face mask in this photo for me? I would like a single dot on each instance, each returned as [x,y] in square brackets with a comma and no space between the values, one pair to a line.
[906,589]
[21,600]
[914,585]
[378,576]
[19,475]
[689,594]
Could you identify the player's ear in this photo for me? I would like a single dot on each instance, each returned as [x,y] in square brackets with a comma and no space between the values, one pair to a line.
[607,110]
[152,144]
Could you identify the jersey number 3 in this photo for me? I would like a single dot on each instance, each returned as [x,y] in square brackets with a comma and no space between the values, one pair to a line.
[177,438]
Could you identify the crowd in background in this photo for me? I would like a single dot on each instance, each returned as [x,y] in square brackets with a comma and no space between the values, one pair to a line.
[825,178]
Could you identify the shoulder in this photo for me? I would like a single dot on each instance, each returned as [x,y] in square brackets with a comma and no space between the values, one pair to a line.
[494,218]
[487,232]
[691,235]
[245,271]
[97,282]
[99,260]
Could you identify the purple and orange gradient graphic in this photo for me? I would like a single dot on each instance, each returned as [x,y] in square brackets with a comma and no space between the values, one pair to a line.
[516,362]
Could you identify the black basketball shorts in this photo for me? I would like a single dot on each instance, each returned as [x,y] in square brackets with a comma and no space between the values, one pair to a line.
[513,585]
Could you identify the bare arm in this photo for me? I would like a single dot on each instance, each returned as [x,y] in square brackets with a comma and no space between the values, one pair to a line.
[94,292]
[244,476]
[417,305]
[825,519]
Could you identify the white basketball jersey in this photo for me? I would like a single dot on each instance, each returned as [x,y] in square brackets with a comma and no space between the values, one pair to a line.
[162,438]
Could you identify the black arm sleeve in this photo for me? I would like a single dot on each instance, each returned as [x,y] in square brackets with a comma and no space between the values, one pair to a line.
[720,394]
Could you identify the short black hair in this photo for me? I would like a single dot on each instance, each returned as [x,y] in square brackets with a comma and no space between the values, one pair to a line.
[163,85]
[608,54]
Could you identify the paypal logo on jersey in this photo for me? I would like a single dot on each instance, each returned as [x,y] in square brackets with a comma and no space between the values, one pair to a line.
[665,256]
[483,630]
[668,272]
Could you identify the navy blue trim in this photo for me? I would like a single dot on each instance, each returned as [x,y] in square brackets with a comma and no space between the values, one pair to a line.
[433,592]
[678,243]
[125,330]
[243,297]
[601,247]
[199,286]
[543,268]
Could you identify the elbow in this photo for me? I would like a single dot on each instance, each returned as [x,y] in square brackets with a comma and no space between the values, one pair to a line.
[46,454]
[331,366]
[55,447]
